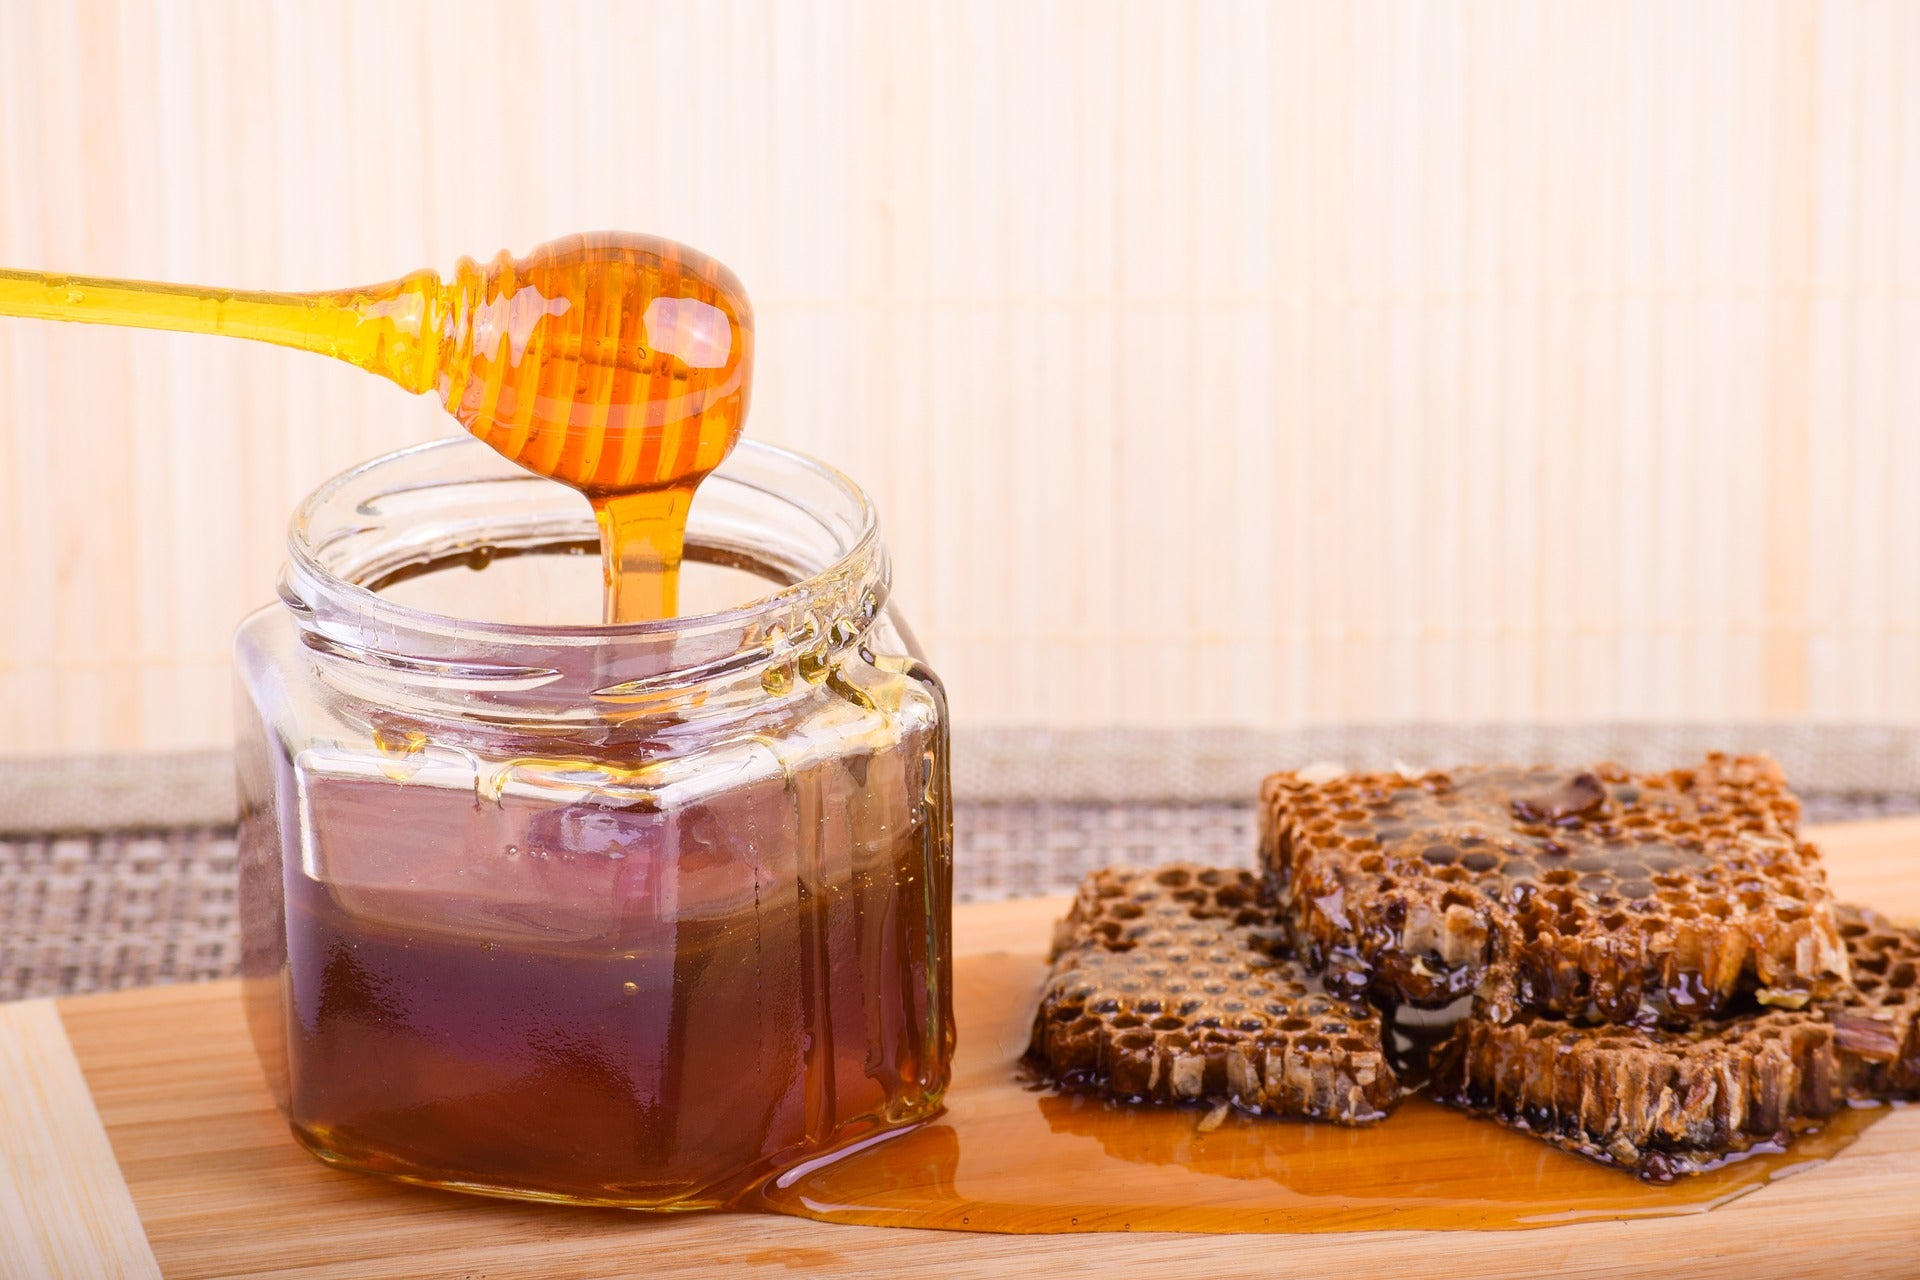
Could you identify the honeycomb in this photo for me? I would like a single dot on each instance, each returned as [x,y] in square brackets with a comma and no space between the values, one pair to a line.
[1596,894]
[1655,1101]
[1876,1020]
[1663,1102]
[1177,985]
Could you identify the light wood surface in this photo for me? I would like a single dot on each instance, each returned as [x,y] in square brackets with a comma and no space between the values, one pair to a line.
[1469,359]
[64,1207]
[222,1191]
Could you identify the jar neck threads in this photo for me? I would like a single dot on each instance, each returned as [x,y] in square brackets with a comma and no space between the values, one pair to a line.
[785,517]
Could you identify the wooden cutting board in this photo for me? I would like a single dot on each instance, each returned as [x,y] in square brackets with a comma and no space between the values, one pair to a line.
[137,1139]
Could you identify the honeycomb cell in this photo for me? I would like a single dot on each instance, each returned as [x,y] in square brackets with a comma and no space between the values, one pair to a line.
[1425,914]
[1125,1055]
[1652,1098]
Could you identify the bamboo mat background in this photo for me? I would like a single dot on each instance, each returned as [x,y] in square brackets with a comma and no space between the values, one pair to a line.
[1422,360]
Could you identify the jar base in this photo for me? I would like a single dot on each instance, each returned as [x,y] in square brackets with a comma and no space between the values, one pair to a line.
[723,1194]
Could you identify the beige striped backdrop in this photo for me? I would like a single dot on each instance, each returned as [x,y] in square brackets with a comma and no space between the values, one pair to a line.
[1261,364]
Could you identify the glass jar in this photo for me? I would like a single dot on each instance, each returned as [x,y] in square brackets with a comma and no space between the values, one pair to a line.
[631,915]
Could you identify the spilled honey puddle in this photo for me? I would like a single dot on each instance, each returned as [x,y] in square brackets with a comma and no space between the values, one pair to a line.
[1008,1158]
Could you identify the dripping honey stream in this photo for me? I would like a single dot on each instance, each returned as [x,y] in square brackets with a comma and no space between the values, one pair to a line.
[619,365]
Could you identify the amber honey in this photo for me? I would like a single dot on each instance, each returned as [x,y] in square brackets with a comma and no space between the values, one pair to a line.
[1011,1156]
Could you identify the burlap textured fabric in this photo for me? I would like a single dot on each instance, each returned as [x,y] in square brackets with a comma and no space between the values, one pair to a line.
[100,912]
[1225,765]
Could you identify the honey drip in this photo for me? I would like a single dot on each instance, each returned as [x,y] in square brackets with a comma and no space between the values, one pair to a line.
[619,365]
[1009,1156]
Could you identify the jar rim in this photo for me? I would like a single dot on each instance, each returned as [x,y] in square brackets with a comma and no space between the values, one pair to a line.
[305,557]
[785,514]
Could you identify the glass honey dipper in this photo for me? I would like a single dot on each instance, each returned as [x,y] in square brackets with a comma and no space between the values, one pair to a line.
[617,364]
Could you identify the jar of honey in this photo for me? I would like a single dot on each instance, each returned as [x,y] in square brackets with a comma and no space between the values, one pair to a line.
[633,915]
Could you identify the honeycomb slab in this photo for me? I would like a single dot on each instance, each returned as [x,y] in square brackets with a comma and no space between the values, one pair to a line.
[1177,985]
[1595,894]
[1663,1102]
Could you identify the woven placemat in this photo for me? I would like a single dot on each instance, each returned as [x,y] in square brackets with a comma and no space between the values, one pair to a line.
[96,913]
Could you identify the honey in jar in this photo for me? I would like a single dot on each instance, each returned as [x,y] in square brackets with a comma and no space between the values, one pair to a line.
[629,915]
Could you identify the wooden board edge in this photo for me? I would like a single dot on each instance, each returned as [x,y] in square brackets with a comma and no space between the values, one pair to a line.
[65,1207]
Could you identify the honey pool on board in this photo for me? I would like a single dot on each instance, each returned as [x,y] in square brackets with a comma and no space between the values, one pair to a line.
[1009,1157]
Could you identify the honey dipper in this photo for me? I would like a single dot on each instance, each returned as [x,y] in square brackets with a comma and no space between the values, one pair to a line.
[617,364]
